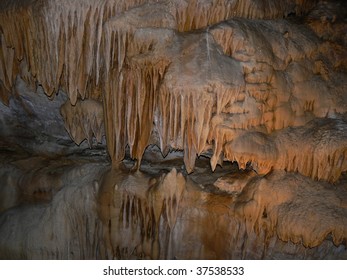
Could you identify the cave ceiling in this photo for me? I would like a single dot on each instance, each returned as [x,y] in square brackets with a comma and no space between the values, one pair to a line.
[256,88]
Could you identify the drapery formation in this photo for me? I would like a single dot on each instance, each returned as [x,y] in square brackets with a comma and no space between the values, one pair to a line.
[229,78]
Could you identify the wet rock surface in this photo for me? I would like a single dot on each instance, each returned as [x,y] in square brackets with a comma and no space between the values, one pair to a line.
[79,207]
[173,129]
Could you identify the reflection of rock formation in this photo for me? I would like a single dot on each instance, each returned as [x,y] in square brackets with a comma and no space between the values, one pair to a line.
[133,210]
[261,83]
[80,208]
[140,227]
[50,223]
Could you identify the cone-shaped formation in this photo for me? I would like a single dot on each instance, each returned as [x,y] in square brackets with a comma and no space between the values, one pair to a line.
[317,150]
[188,75]
[83,121]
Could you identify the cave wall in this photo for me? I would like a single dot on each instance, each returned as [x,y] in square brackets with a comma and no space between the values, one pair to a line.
[249,95]
[256,72]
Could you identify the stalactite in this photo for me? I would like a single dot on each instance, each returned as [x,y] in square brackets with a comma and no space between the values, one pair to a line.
[71,35]
[131,103]
[84,120]
[7,70]
[324,159]
[62,42]
[254,74]
[198,14]
[185,128]
[233,80]
[294,150]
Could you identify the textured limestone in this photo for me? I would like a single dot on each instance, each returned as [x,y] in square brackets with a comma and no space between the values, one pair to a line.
[185,93]
[317,150]
[83,121]
[153,80]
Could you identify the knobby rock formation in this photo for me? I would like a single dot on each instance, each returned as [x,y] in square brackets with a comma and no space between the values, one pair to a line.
[163,129]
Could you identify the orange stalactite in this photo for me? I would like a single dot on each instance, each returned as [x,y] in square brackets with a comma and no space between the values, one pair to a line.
[192,76]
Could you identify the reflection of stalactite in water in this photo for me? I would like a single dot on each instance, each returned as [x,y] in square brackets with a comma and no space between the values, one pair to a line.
[165,198]
[136,222]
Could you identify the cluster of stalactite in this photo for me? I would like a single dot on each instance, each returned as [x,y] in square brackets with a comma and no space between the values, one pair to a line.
[227,87]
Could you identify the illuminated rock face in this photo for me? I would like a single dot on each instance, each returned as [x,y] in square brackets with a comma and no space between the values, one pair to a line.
[256,85]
